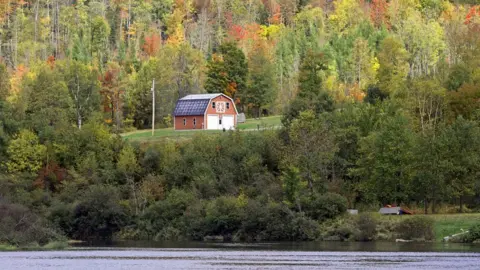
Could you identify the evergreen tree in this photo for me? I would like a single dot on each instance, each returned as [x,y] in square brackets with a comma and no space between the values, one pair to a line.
[227,72]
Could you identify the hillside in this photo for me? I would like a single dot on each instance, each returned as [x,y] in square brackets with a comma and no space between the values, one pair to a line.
[376,104]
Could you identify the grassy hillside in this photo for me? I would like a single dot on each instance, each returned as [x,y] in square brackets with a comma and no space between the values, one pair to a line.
[249,125]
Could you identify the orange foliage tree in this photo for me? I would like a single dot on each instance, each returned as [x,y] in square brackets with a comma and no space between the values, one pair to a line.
[112,94]
[152,44]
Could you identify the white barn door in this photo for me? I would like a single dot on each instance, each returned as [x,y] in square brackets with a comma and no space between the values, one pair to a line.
[228,122]
[212,122]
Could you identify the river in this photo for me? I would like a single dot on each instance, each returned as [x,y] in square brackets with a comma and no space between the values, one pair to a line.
[331,255]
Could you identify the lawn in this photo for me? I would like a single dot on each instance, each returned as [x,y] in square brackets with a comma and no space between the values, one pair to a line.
[265,122]
[449,224]
[444,224]
[250,124]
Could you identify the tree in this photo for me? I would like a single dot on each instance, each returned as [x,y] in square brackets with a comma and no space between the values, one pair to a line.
[25,153]
[428,175]
[378,13]
[261,82]
[346,16]
[4,83]
[462,139]
[459,74]
[385,161]
[464,102]
[227,73]
[128,166]
[49,106]
[311,149]
[84,88]
[99,38]
[362,63]
[393,69]
[98,214]
[427,97]
[311,94]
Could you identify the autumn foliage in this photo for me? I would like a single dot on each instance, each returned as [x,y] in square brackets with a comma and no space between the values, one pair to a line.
[152,44]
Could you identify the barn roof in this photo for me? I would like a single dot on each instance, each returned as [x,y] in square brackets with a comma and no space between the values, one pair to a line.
[200,96]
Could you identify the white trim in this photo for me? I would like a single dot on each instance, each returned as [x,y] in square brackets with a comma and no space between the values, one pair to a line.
[205,121]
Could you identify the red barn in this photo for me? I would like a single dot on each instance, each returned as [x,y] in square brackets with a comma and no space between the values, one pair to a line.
[205,111]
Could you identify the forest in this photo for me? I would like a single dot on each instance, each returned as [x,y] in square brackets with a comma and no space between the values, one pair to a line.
[379,102]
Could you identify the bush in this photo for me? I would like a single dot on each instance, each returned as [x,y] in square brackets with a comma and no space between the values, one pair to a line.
[20,227]
[367,227]
[224,217]
[417,227]
[56,245]
[472,235]
[339,229]
[98,215]
[325,206]
[158,217]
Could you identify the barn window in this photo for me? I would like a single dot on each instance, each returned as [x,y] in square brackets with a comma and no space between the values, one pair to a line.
[213,105]
[228,105]
[184,121]
[194,121]
[220,121]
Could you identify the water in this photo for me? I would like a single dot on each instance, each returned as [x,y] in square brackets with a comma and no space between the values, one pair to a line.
[331,255]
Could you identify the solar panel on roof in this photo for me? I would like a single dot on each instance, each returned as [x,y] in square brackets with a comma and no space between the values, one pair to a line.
[191,107]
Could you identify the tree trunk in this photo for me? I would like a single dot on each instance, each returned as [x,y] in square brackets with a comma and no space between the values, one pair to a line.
[461,204]
[425,206]
[79,121]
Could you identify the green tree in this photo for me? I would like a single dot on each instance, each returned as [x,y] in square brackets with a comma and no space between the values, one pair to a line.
[4,82]
[462,139]
[49,106]
[227,72]
[393,69]
[311,94]
[311,149]
[261,82]
[25,153]
[84,89]
[385,160]
[100,31]
[362,60]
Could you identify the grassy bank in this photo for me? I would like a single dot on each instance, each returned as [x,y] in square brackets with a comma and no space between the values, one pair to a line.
[249,125]
[449,224]
[444,224]
[54,245]
[376,227]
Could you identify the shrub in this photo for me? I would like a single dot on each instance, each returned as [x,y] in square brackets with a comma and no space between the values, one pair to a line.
[325,206]
[56,245]
[99,214]
[19,226]
[417,227]
[223,217]
[339,229]
[367,227]
[165,213]
[472,235]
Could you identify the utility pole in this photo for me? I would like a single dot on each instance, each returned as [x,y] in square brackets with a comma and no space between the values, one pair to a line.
[153,107]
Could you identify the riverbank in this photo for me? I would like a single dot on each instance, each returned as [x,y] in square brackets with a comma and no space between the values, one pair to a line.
[54,245]
[376,227]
